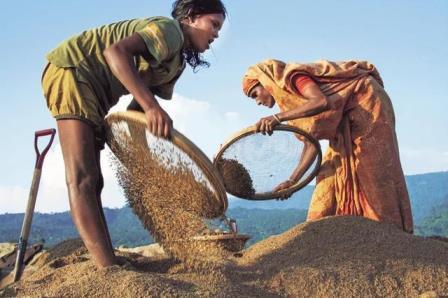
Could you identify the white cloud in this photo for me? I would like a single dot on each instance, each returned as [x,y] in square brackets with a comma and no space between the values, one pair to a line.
[13,199]
[232,116]
[418,161]
[122,104]
[52,196]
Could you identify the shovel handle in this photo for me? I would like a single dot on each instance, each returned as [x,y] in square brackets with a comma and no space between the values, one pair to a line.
[26,226]
[41,155]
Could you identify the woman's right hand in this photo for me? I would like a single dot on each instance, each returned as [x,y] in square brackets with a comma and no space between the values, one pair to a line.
[266,125]
[159,122]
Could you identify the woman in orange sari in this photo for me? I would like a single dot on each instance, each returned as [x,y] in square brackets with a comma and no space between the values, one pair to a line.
[345,103]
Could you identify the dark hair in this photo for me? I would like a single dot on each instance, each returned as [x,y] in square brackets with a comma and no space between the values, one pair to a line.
[183,9]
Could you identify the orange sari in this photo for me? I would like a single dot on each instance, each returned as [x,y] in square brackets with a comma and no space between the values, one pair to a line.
[361,172]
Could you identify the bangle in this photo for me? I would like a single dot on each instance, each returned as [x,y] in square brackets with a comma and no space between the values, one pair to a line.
[276,118]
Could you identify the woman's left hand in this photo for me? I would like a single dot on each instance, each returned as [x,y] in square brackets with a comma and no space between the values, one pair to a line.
[284,185]
[266,125]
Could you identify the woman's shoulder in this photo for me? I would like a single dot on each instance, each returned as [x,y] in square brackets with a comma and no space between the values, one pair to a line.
[166,29]
[166,24]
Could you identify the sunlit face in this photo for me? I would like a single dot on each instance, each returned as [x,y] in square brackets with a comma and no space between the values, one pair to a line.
[262,96]
[202,30]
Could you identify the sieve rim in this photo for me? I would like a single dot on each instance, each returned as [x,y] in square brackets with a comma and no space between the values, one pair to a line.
[251,130]
[189,148]
[223,236]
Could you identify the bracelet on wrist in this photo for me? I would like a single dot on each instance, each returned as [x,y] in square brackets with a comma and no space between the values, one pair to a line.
[276,118]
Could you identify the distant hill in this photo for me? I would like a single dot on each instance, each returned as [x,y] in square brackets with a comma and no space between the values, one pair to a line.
[260,219]
[126,229]
[427,191]
[299,200]
[437,223]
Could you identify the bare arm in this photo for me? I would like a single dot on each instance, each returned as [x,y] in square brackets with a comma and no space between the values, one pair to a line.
[120,58]
[306,159]
[317,103]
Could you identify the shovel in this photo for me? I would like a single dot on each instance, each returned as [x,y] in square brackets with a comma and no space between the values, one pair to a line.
[26,227]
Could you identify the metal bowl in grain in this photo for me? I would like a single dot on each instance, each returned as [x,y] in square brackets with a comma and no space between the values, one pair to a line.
[229,241]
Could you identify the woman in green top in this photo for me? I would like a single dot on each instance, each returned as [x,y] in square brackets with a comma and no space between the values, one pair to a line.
[87,74]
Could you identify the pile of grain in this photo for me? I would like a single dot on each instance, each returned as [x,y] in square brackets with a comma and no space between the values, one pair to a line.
[68,271]
[236,178]
[6,248]
[333,257]
[349,257]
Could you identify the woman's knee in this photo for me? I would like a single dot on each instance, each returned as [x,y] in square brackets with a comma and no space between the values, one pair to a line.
[78,148]
[82,182]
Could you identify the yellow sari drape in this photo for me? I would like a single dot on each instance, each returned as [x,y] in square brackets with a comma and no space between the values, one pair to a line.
[361,172]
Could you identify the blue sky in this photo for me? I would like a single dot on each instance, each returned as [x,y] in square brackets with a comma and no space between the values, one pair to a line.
[406,39]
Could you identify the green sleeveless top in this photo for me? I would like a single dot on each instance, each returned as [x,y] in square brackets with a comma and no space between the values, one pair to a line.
[84,52]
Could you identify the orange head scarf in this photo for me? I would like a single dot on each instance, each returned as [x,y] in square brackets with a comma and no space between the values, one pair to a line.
[249,84]
[268,73]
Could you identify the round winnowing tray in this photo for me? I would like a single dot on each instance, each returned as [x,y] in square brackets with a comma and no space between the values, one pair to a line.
[127,131]
[252,164]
